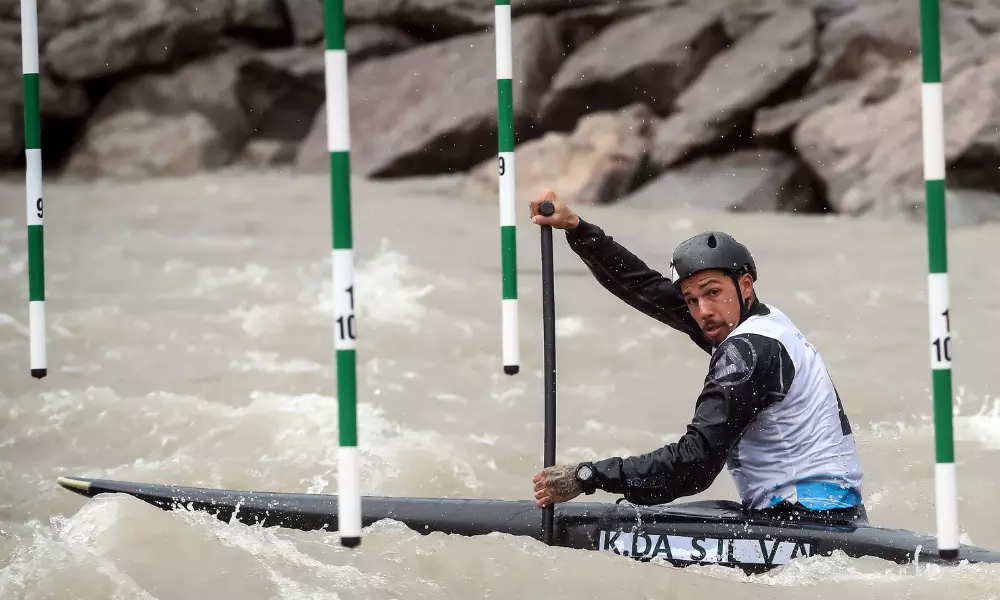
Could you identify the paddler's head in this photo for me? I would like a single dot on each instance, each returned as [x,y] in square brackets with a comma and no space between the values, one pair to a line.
[715,274]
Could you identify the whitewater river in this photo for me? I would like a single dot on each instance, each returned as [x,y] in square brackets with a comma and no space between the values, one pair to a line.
[190,342]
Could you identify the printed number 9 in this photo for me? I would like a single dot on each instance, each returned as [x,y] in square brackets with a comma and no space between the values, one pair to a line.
[38,205]
[503,167]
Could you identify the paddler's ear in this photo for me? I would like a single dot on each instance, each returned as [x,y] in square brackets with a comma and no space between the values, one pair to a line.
[746,287]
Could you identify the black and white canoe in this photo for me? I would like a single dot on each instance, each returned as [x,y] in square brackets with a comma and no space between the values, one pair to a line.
[698,532]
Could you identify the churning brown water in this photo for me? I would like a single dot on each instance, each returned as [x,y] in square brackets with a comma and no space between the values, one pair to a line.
[190,342]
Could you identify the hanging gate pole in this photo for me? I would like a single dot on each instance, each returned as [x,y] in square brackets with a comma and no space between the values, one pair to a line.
[33,187]
[937,281]
[508,214]
[339,144]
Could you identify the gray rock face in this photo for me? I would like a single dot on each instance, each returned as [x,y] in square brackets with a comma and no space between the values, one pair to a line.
[597,163]
[433,109]
[744,181]
[647,59]
[868,146]
[721,102]
[118,36]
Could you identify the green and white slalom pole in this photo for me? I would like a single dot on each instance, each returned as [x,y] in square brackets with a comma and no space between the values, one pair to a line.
[33,187]
[339,144]
[937,282]
[508,214]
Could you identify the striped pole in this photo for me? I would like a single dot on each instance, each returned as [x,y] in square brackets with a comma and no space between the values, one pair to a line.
[33,187]
[508,231]
[937,281]
[339,144]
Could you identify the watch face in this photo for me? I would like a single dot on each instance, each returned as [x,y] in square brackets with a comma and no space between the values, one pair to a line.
[584,472]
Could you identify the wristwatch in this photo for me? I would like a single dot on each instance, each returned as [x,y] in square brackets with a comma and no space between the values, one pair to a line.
[586,475]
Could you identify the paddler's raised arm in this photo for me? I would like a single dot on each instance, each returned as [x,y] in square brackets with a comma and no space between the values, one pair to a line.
[621,272]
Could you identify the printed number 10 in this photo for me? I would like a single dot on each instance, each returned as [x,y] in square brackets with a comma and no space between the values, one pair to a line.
[942,347]
[347,326]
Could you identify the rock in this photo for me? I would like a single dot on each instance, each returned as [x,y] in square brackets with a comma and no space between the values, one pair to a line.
[439,19]
[206,88]
[581,22]
[646,59]
[597,163]
[827,11]
[261,21]
[880,34]
[133,34]
[740,17]
[433,109]
[282,91]
[268,153]
[58,101]
[255,16]
[136,144]
[775,123]
[307,21]
[743,181]
[870,152]
[373,40]
[756,71]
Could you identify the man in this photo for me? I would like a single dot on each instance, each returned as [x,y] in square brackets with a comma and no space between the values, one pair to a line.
[768,410]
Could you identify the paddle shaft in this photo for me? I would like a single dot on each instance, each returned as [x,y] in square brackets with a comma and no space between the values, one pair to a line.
[549,345]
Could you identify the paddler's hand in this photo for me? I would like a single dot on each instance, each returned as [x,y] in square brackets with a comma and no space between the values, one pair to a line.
[556,484]
[563,218]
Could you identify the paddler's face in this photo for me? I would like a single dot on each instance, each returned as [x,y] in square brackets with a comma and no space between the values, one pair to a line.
[714,302]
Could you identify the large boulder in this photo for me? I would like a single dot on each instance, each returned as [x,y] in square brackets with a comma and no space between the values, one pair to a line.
[434,108]
[598,163]
[306,20]
[256,17]
[444,18]
[202,94]
[374,40]
[742,181]
[137,143]
[885,33]
[100,39]
[868,147]
[282,90]
[646,59]
[59,101]
[767,65]
[773,125]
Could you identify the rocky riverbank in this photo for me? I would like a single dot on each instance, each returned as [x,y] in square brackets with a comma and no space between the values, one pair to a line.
[766,105]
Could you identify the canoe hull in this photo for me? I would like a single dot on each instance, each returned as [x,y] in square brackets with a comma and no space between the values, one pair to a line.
[701,532]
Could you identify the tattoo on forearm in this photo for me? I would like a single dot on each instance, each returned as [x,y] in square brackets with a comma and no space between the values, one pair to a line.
[562,480]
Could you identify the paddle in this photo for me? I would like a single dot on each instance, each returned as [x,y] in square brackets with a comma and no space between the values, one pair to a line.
[549,346]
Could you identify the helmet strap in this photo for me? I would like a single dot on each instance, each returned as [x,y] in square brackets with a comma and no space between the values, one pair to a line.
[744,304]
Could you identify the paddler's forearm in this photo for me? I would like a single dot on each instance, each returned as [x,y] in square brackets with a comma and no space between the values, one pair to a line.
[630,279]
[681,469]
[747,374]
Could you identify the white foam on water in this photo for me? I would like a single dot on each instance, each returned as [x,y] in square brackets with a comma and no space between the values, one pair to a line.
[568,327]
[294,572]
[7,321]
[974,420]
[385,294]
[269,362]
[210,279]
[263,321]
[65,554]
